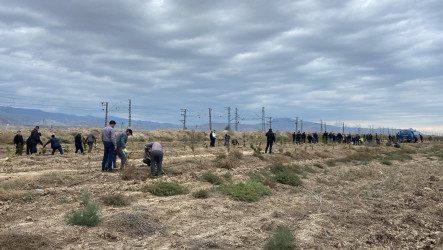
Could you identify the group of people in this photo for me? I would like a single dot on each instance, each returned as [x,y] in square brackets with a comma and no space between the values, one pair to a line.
[113,146]
[116,146]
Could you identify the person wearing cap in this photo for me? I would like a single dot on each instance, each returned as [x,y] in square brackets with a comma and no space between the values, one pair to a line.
[55,145]
[154,157]
[35,139]
[18,142]
[110,145]
[270,139]
[90,140]
[78,143]
[122,139]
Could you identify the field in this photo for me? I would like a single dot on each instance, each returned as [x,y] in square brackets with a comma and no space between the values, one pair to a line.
[328,196]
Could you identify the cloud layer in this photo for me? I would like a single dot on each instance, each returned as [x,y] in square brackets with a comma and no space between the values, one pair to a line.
[364,62]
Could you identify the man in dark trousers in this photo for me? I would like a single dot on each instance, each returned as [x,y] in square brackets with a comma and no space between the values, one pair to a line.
[55,145]
[270,139]
[35,139]
[110,145]
[18,142]
[121,151]
[90,140]
[78,143]
[154,155]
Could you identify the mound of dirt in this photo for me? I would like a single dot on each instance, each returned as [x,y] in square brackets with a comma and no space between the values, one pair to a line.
[134,224]
[23,241]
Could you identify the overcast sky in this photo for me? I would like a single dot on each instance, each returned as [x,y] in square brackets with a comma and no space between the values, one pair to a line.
[361,61]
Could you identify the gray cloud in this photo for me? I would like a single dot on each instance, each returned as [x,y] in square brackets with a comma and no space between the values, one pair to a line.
[358,61]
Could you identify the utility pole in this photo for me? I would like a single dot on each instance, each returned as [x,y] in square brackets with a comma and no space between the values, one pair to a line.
[263,119]
[236,119]
[270,122]
[129,120]
[325,127]
[210,121]
[296,124]
[106,112]
[343,129]
[301,125]
[229,117]
[321,125]
[184,118]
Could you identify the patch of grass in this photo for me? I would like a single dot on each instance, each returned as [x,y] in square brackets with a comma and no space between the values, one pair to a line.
[282,239]
[249,191]
[221,156]
[25,197]
[164,189]
[257,152]
[88,216]
[201,194]
[212,178]
[386,162]
[287,153]
[236,154]
[227,176]
[117,200]
[318,165]
[85,197]
[227,163]
[288,178]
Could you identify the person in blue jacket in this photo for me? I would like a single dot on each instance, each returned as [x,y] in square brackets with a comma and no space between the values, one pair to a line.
[55,145]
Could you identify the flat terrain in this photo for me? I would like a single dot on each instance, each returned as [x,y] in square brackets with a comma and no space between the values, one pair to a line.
[351,197]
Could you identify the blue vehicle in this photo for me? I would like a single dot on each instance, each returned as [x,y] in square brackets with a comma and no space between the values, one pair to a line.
[407,135]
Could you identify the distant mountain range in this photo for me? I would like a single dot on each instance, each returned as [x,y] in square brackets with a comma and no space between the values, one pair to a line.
[33,117]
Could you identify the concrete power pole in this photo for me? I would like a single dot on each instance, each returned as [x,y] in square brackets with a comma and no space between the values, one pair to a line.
[236,119]
[106,112]
[210,121]
[184,118]
[229,117]
[263,119]
[270,122]
[296,124]
[321,125]
[301,125]
[129,120]
[343,128]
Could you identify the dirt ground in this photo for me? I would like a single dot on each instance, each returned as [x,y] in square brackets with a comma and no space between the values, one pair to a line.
[351,197]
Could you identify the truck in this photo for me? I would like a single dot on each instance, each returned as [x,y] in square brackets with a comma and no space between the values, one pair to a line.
[407,135]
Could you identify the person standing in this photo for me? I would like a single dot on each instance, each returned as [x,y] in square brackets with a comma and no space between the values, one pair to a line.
[110,145]
[35,139]
[90,140]
[227,139]
[270,139]
[78,143]
[55,145]
[154,153]
[122,139]
[212,137]
[18,143]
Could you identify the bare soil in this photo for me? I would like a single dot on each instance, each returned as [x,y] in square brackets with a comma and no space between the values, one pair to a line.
[360,202]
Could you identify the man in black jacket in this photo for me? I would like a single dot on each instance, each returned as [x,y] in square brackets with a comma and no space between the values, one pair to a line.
[270,139]
[78,143]
[18,142]
[55,145]
[34,139]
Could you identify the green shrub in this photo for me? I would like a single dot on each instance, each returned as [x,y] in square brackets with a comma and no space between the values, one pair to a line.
[85,197]
[212,178]
[288,178]
[115,200]
[386,162]
[236,154]
[164,189]
[20,149]
[225,163]
[227,176]
[257,152]
[318,165]
[282,239]
[249,191]
[287,153]
[201,194]
[89,216]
